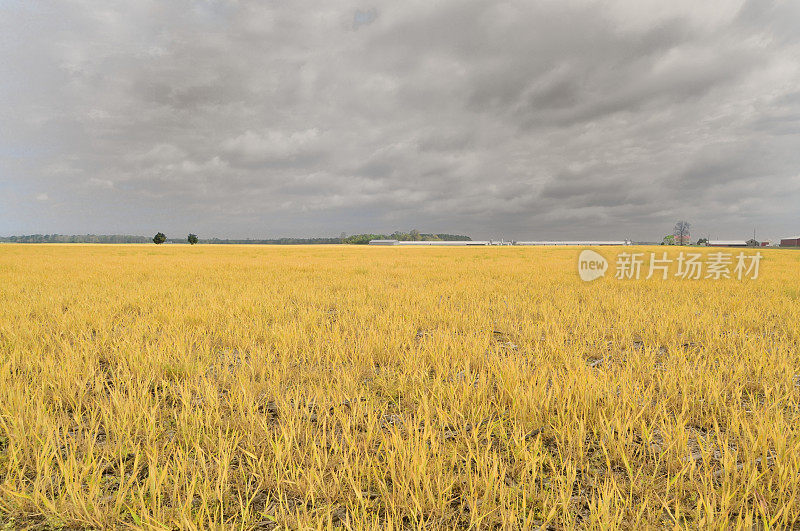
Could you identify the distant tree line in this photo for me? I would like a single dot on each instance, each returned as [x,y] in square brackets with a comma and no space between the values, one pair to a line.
[278,241]
[75,238]
[160,238]
[361,239]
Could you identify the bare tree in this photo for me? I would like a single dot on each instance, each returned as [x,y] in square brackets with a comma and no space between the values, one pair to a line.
[682,231]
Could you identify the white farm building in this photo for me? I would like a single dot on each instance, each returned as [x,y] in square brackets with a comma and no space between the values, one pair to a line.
[441,242]
[586,243]
[727,243]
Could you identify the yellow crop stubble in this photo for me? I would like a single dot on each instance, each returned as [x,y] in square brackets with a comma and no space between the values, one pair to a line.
[322,386]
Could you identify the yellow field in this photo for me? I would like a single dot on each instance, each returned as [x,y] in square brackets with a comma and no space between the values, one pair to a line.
[314,387]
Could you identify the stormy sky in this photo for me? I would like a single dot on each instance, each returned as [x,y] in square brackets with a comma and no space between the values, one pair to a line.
[516,119]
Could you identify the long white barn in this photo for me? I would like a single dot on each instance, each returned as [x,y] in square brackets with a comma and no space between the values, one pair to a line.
[586,243]
[441,242]
[727,243]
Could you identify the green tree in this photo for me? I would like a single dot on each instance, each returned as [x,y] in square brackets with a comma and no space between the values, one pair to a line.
[159,238]
[192,239]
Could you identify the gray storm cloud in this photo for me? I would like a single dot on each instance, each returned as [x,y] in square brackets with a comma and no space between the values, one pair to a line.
[516,119]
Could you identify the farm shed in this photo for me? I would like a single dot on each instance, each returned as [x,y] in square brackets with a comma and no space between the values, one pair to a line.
[790,242]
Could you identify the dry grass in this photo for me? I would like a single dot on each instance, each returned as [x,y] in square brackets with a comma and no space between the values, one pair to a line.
[315,387]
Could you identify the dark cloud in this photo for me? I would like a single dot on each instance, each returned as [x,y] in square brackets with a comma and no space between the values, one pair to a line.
[516,119]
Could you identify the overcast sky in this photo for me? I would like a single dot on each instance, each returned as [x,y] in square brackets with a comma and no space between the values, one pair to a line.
[516,119]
